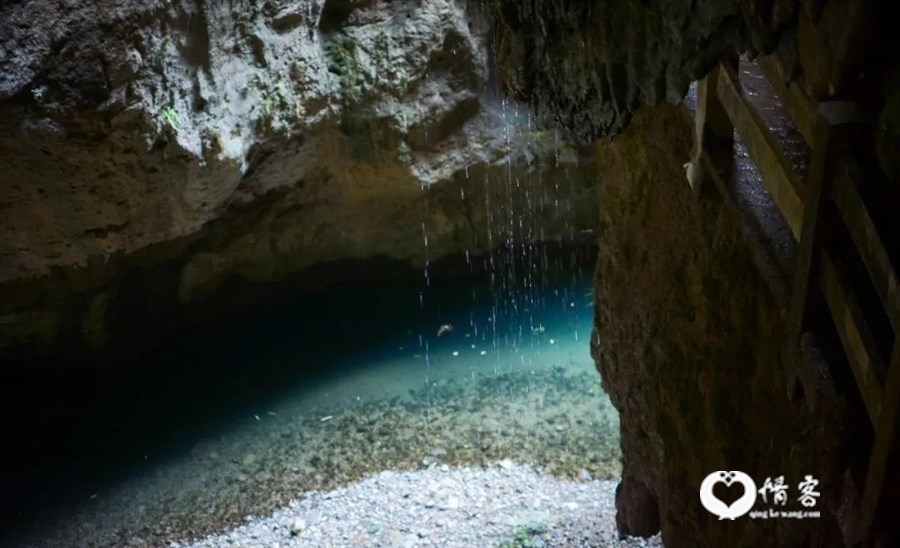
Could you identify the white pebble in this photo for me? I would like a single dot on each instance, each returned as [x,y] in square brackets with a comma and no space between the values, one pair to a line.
[529,495]
[298,526]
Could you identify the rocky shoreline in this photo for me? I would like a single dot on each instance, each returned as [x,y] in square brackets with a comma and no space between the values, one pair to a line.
[558,420]
[504,504]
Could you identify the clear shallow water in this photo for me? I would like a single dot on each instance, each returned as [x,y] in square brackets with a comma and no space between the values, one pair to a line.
[322,391]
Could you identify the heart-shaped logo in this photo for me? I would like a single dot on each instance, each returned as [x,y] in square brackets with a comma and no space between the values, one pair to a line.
[728,493]
[738,507]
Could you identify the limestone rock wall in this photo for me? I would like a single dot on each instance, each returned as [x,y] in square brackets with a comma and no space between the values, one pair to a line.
[689,342]
[152,151]
[591,64]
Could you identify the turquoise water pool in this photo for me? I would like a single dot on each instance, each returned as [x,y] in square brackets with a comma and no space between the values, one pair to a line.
[323,390]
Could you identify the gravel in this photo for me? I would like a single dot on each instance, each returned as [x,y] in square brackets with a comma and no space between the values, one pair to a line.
[558,420]
[503,504]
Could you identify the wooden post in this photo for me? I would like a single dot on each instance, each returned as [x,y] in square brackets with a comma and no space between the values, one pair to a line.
[802,285]
[782,182]
[867,239]
[713,132]
[834,123]
[879,499]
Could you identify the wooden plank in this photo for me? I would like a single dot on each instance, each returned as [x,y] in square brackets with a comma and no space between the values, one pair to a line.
[801,288]
[694,173]
[801,107]
[713,133]
[885,451]
[868,242]
[783,183]
[859,345]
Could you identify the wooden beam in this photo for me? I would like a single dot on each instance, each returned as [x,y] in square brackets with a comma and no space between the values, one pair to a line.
[853,330]
[801,288]
[868,242]
[883,462]
[807,113]
[713,133]
[694,174]
[783,183]
[801,107]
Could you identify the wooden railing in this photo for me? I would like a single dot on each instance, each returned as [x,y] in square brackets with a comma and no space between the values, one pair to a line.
[831,130]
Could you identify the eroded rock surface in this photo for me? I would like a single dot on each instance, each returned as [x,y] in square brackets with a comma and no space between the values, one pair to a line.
[592,64]
[150,152]
[689,342]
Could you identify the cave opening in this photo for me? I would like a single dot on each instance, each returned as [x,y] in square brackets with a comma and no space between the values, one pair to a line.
[449,273]
[468,354]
